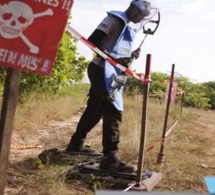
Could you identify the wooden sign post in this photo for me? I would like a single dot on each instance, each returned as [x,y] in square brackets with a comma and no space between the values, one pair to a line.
[11,90]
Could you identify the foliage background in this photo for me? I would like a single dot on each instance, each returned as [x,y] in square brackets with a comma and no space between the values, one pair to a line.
[70,67]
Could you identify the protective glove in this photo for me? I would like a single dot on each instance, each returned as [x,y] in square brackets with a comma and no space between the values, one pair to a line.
[135,54]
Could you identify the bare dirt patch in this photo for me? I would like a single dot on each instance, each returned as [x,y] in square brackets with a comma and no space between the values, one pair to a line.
[55,135]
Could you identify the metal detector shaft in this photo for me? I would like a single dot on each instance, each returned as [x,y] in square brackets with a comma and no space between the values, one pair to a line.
[144,121]
[132,59]
[160,154]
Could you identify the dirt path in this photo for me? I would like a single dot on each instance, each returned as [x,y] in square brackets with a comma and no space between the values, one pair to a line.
[55,135]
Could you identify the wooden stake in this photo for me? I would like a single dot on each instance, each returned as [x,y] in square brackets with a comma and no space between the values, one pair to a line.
[11,90]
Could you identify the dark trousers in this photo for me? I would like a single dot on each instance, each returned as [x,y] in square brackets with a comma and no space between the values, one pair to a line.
[99,107]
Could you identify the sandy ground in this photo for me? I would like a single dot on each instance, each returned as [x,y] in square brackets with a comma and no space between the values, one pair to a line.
[55,135]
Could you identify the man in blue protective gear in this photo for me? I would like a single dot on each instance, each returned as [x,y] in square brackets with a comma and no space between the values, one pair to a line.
[115,37]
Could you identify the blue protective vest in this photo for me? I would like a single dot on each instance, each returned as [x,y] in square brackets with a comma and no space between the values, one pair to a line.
[122,48]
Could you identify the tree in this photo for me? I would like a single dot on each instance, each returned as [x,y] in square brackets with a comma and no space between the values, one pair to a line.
[159,82]
[210,92]
[157,86]
[196,96]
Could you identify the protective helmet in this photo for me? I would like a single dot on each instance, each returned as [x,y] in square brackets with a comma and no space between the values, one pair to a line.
[143,6]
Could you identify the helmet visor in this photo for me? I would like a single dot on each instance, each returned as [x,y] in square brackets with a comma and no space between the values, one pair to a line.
[144,20]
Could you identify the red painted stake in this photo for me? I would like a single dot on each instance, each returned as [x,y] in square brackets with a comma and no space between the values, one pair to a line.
[160,154]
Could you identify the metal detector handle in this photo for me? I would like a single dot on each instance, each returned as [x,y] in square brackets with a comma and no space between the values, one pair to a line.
[149,31]
[133,58]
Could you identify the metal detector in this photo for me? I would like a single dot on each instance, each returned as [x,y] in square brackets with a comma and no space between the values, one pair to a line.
[121,79]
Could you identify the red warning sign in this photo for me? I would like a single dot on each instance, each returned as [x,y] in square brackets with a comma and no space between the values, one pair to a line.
[30,33]
[173,92]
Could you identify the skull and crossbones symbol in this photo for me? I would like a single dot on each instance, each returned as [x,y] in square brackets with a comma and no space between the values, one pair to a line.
[17,16]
